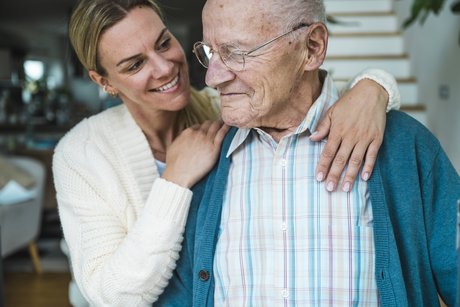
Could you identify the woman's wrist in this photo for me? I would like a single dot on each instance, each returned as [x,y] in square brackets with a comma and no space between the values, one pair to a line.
[386,81]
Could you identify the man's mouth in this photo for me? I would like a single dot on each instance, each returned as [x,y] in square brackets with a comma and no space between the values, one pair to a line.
[167,86]
[229,94]
[225,92]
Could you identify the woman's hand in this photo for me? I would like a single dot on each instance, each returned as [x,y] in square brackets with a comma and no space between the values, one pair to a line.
[194,152]
[355,125]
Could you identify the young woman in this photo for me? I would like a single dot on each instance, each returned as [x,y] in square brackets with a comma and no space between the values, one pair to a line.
[123,177]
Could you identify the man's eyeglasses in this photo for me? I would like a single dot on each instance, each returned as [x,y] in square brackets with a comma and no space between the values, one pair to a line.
[233,57]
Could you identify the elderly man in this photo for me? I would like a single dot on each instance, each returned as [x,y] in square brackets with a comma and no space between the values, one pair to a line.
[262,230]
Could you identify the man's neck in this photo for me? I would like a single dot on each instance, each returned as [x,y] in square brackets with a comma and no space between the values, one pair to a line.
[287,120]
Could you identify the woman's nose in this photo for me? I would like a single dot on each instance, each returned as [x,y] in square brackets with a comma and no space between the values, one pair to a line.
[160,66]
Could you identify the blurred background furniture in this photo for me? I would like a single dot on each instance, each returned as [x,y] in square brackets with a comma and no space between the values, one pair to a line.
[20,222]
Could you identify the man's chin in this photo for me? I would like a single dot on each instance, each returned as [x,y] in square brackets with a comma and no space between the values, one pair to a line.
[236,122]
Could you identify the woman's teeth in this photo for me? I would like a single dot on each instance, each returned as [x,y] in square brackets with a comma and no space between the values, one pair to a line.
[166,87]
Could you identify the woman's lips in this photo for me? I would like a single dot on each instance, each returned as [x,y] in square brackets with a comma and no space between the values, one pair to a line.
[168,87]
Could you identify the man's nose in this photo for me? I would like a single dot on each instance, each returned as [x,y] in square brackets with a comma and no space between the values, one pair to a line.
[217,73]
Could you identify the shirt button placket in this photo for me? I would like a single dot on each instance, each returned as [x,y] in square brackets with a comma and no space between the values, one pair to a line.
[283,226]
[285,294]
[283,163]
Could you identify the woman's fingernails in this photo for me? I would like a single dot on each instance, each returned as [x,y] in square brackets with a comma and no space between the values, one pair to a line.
[346,187]
[320,176]
[330,186]
[366,176]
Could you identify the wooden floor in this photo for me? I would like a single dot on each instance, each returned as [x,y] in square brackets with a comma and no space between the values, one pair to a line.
[40,290]
[36,290]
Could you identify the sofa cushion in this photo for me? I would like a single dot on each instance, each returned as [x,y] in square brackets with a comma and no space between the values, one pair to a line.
[10,172]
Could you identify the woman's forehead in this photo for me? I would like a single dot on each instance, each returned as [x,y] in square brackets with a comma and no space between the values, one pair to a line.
[138,30]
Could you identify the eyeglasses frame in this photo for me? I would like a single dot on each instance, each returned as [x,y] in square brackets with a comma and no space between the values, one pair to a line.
[244,54]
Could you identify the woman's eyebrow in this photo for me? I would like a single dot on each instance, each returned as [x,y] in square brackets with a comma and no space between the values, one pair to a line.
[137,55]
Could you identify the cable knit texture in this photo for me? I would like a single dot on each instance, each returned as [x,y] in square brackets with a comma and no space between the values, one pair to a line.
[123,224]
[386,80]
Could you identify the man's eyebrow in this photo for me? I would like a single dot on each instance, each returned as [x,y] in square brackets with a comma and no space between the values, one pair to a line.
[137,55]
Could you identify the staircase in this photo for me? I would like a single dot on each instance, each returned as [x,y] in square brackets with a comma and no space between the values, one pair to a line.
[369,35]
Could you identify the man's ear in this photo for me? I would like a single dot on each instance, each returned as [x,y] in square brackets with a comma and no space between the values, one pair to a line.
[317,46]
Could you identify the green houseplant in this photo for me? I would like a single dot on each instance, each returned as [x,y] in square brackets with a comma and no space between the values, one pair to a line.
[422,8]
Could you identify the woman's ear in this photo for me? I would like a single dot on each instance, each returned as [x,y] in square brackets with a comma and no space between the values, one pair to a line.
[97,78]
[103,83]
[317,46]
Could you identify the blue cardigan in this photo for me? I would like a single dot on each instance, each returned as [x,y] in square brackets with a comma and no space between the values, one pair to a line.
[413,190]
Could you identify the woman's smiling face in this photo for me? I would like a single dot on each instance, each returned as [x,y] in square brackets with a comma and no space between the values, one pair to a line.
[145,63]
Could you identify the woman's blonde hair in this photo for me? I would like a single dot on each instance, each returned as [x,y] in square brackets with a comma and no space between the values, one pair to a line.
[91,18]
[201,108]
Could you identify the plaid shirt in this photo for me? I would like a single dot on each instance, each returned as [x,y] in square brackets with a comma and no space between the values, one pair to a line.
[283,239]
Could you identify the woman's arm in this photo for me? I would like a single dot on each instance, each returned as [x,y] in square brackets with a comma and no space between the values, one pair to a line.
[124,246]
[123,249]
[355,126]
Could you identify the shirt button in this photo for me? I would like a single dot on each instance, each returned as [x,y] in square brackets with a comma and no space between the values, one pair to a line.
[204,275]
[283,162]
[284,226]
[284,293]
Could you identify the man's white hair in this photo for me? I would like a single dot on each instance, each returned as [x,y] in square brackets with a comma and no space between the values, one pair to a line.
[293,12]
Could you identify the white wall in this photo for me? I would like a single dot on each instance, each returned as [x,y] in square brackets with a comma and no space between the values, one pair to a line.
[435,54]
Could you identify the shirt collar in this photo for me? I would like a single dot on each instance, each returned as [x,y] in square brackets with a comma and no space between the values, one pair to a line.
[317,111]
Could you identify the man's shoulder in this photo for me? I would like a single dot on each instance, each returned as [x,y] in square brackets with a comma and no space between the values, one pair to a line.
[406,139]
[401,127]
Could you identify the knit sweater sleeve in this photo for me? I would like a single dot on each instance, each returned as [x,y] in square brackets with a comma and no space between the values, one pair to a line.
[384,79]
[123,249]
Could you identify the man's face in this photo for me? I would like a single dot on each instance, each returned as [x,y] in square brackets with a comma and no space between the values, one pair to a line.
[271,79]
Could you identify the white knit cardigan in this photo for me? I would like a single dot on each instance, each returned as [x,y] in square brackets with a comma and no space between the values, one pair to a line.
[123,224]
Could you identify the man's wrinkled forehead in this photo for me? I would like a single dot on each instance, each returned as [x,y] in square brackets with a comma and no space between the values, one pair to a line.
[223,16]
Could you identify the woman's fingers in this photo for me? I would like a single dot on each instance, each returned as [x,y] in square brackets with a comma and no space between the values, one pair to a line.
[371,157]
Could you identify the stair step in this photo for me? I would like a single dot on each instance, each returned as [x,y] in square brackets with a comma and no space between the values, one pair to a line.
[377,23]
[348,67]
[409,93]
[366,45]
[370,14]
[365,34]
[366,57]
[414,108]
[421,116]
[407,87]
[348,6]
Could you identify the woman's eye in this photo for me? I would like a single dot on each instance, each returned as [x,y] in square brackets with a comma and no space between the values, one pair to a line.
[135,66]
[165,44]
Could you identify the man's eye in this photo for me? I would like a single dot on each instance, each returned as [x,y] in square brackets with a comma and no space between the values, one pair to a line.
[233,54]
[165,44]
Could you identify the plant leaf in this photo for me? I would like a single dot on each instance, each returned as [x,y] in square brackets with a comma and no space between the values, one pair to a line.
[424,16]
[456,7]
[436,6]
[417,7]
